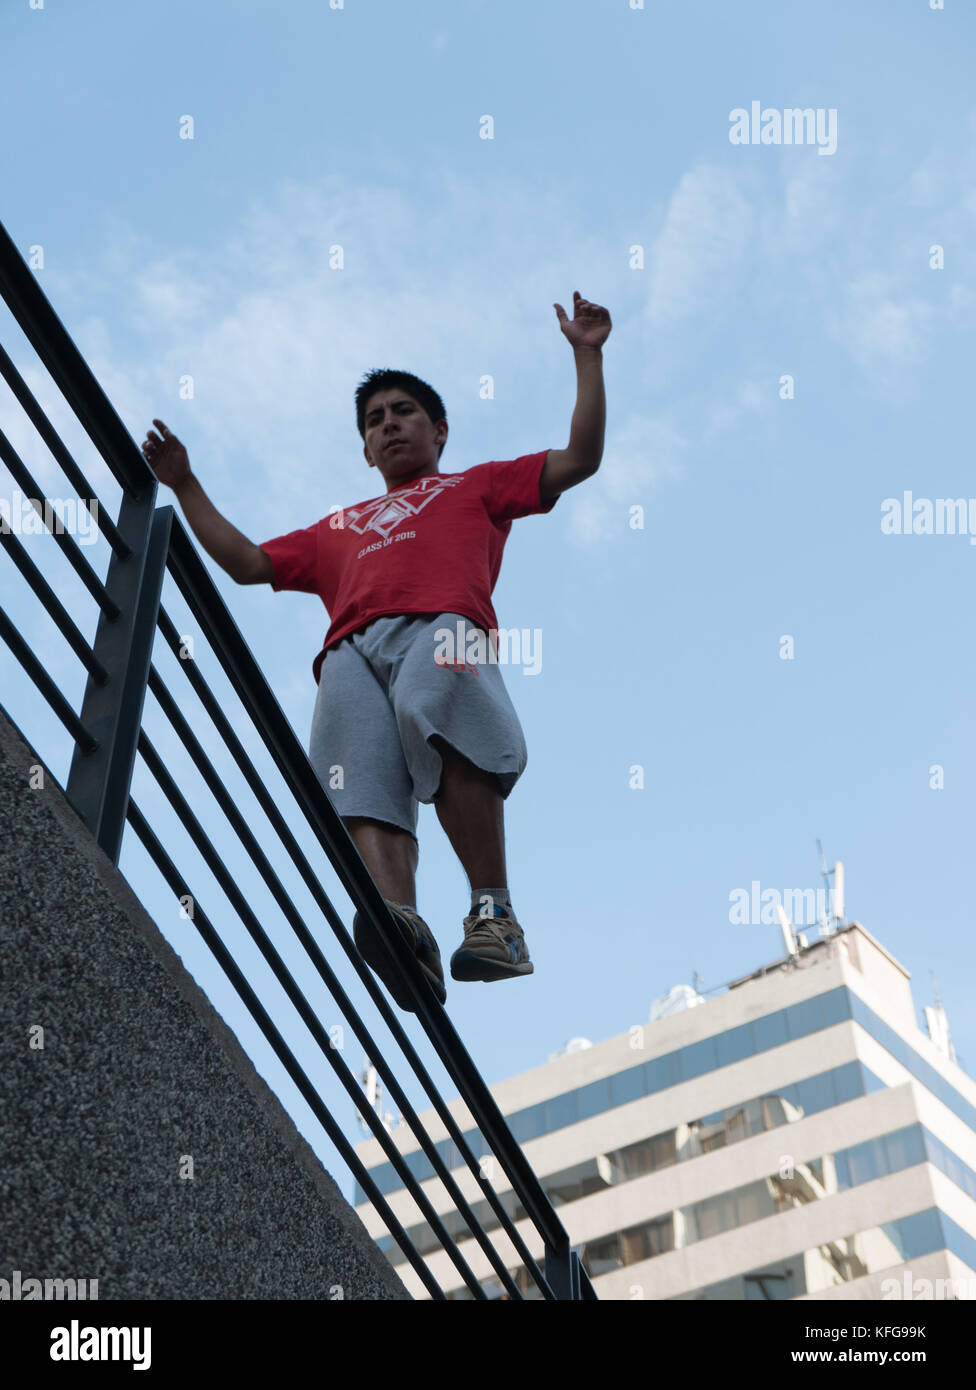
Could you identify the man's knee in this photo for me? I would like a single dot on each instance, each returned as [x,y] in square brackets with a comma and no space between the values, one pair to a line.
[452,763]
[467,776]
[380,828]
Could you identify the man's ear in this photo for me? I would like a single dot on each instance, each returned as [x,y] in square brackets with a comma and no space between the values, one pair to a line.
[367,457]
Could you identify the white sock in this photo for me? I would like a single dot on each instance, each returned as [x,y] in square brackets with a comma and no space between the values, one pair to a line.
[491,902]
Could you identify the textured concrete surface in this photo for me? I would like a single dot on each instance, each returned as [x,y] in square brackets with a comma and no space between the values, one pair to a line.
[136,1071]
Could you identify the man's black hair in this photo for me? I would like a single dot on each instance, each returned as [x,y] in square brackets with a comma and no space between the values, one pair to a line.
[384,379]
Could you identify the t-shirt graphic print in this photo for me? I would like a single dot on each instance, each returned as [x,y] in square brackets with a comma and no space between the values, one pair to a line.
[433,545]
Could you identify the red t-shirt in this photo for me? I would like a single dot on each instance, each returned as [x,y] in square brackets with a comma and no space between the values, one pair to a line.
[429,546]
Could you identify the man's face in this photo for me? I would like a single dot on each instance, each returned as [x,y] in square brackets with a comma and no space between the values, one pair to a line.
[394,418]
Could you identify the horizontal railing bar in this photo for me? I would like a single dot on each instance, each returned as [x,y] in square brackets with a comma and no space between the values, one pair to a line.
[53,605]
[46,685]
[279,738]
[68,467]
[239,825]
[305,1011]
[416,1231]
[181,889]
[66,542]
[311,880]
[69,371]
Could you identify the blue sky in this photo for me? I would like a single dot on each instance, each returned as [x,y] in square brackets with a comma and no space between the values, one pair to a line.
[726,269]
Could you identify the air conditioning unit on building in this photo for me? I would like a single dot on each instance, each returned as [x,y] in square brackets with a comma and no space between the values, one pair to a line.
[574,1045]
[677,998]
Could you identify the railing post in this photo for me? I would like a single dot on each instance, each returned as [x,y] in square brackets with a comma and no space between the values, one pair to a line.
[567,1277]
[99,781]
[563,1273]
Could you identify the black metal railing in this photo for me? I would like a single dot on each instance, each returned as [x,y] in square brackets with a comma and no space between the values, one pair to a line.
[147,543]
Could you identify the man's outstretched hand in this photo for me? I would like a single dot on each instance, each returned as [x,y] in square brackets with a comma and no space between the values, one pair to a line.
[166,457]
[590,325]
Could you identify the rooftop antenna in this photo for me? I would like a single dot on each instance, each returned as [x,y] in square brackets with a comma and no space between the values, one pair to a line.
[938,1024]
[374,1092]
[834,916]
[374,1097]
[935,990]
[789,935]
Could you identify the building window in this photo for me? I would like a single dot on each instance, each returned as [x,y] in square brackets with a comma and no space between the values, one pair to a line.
[768,1286]
[601,1256]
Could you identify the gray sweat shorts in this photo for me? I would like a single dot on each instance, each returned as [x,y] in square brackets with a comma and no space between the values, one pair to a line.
[381,697]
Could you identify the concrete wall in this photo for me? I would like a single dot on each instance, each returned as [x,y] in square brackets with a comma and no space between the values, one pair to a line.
[136,1072]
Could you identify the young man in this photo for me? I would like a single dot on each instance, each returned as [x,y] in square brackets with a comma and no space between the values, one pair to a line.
[395,723]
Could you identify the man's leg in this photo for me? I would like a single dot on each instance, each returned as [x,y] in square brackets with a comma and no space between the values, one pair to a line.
[390,854]
[470,807]
[354,729]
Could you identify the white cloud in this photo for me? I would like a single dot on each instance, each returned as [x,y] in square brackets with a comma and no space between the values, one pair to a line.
[165,291]
[639,455]
[751,399]
[945,170]
[882,333]
[705,233]
[811,214]
[592,520]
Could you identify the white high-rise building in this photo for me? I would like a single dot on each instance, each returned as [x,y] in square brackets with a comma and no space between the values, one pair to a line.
[798,1136]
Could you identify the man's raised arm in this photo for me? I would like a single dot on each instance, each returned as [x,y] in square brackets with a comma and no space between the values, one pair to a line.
[245,562]
[586,331]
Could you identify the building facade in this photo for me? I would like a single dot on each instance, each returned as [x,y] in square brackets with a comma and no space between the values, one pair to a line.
[798,1136]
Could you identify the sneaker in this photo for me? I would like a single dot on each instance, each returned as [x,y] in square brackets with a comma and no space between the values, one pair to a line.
[493,949]
[419,937]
